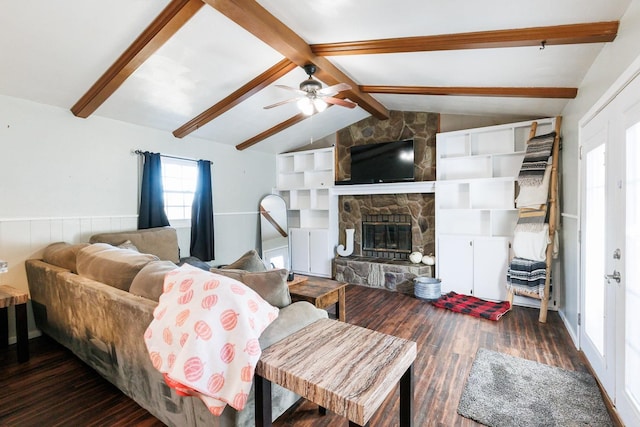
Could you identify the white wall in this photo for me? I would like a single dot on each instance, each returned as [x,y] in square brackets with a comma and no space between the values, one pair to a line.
[65,178]
[610,63]
[453,122]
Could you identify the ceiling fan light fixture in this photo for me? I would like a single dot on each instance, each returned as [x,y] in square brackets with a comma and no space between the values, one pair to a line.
[310,85]
[319,104]
[312,97]
[306,106]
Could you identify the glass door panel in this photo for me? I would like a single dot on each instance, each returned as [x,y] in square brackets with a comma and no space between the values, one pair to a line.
[632,268]
[594,246]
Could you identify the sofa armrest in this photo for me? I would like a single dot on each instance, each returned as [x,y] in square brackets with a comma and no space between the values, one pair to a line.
[291,319]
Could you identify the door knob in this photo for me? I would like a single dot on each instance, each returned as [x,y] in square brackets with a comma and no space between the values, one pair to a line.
[615,276]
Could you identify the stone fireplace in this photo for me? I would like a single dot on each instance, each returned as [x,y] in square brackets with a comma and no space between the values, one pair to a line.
[388,227]
[412,215]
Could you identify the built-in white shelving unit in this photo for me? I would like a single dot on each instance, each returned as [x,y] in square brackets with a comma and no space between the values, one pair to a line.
[304,180]
[475,205]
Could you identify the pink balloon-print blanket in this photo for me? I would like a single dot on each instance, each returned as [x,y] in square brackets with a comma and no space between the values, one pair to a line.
[204,336]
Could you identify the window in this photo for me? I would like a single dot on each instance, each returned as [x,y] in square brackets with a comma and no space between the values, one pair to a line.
[179,178]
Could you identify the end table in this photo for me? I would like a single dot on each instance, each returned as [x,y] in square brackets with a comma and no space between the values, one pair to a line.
[10,296]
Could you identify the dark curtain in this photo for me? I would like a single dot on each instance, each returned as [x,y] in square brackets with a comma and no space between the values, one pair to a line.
[202,215]
[152,212]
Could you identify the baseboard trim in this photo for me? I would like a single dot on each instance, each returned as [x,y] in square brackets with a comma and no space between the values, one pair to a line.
[34,333]
[567,326]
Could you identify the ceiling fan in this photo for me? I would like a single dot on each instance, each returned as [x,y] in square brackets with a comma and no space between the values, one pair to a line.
[312,98]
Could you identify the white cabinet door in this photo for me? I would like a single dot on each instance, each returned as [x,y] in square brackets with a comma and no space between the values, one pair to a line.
[490,262]
[319,259]
[474,266]
[299,244]
[310,251]
[455,264]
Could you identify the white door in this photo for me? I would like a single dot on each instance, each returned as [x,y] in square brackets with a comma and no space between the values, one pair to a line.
[299,244]
[319,259]
[490,261]
[627,397]
[597,299]
[455,264]
[610,334]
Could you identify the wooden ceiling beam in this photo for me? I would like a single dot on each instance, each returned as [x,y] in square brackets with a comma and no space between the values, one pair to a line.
[270,132]
[166,24]
[517,92]
[594,32]
[277,128]
[258,21]
[257,84]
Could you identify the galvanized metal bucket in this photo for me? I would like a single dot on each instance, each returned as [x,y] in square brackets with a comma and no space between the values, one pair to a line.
[427,288]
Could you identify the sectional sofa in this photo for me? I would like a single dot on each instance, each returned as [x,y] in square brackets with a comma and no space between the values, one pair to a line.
[97,299]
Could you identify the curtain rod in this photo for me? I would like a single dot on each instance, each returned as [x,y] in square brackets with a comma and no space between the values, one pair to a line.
[140,152]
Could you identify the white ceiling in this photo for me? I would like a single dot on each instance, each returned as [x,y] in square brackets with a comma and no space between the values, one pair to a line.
[52,52]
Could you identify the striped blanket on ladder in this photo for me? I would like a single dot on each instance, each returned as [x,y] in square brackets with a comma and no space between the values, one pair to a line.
[536,159]
[526,277]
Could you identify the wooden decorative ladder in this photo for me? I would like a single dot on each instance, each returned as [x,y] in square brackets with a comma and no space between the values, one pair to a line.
[552,208]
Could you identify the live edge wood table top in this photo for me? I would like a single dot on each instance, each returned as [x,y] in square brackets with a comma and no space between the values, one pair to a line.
[344,368]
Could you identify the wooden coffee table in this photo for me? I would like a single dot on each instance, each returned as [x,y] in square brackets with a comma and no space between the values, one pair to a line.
[344,368]
[320,292]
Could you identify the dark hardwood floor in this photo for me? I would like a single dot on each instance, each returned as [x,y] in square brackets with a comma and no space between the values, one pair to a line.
[56,389]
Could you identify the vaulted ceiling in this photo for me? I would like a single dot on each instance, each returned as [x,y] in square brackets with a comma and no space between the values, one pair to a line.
[206,68]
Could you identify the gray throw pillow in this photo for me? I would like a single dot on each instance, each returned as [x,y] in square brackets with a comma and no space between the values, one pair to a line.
[250,261]
[149,282]
[270,285]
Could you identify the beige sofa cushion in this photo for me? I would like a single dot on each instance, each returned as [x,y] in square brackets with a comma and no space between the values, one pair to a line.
[149,282]
[110,265]
[270,285]
[63,255]
[161,241]
[249,261]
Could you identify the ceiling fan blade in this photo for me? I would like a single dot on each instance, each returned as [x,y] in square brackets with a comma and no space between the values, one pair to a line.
[333,90]
[298,91]
[340,102]
[277,104]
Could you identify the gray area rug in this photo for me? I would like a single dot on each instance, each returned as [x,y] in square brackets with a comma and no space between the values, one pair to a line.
[508,391]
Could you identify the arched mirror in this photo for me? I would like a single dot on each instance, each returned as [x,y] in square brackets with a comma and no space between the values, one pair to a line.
[274,231]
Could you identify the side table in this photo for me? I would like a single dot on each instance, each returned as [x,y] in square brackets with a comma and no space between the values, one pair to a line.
[344,368]
[10,296]
[320,292]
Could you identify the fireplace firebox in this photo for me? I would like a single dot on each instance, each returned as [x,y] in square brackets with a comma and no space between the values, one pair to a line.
[386,236]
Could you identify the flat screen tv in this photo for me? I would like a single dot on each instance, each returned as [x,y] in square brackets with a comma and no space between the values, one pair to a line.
[382,162]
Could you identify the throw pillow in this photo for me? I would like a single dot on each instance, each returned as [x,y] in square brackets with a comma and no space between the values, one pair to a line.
[128,244]
[250,261]
[149,281]
[63,255]
[270,285]
[110,265]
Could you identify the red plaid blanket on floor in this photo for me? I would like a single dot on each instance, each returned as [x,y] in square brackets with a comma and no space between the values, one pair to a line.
[473,306]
